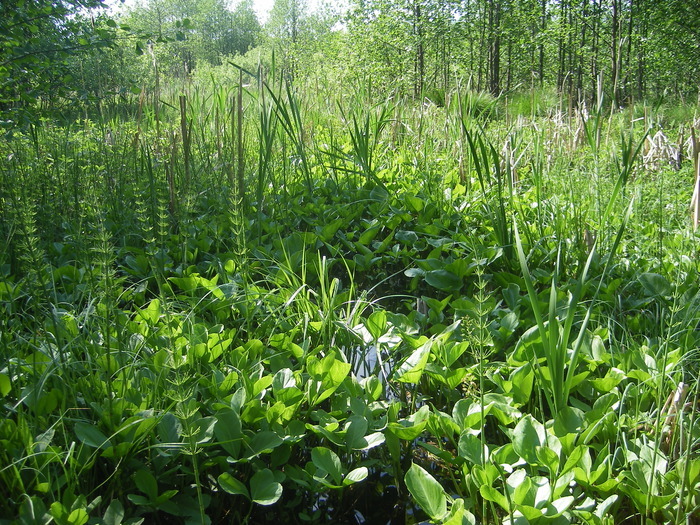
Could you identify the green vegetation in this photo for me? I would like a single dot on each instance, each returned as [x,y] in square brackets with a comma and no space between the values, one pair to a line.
[241,290]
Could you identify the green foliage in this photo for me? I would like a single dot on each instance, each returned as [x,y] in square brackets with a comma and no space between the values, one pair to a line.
[190,33]
[37,42]
[413,309]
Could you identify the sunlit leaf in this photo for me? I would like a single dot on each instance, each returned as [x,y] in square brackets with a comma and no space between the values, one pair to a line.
[328,461]
[427,492]
[264,488]
[232,485]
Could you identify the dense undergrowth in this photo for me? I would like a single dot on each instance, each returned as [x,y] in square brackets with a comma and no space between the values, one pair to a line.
[378,313]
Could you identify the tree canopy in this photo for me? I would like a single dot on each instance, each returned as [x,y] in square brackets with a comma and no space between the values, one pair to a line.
[37,40]
[638,48]
[67,49]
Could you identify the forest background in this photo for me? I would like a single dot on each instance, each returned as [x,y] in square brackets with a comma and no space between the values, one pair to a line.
[639,49]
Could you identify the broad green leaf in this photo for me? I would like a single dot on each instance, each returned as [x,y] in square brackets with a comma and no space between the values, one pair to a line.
[264,488]
[59,512]
[151,313]
[521,491]
[328,374]
[355,476]
[410,428]
[443,280]
[691,467]
[453,350]
[5,385]
[491,494]
[569,420]
[91,436]
[655,285]
[610,381]
[450,376]
[264,442]
[187,284]
[502,408]
[355,430]
[466,413]
[253,411]
[137,499]
[605,505]
[121,450]
[165,496]
[238,399]
[523,380]
[406,237]
[642,498]
[414,272]
[114,515]
[487,474]
[471,449]
[203,429]
[169,428]
[549,458]
[543,492]
[573,459]
[78,517]
[338,371]
[138,426]
[558,506]
[460,267]
[146,483]
[459,515]
[427,492]
[411,369]
[414,204]
[373,387]
[529,513]
[232,485]
[505,455]
[327,231]
[284,378]
[563,484]
[370,441]
[376,324]
[528,434]
[511,294]
[228,431]
[327,461]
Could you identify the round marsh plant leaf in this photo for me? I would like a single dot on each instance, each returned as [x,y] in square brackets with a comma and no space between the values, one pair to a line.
[264,488]
[655,285]
[327,461]
[5,385]
[376,324]
[427,492]
[444,280]
[91,436]
[529,434]
[114,515]
[355,476]
[232,485]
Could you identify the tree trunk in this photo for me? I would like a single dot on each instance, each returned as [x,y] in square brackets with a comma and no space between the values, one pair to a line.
[544,28]
[582,47]
[595,15]
[419,65]
[641,53]
[495,47]
[615,57]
